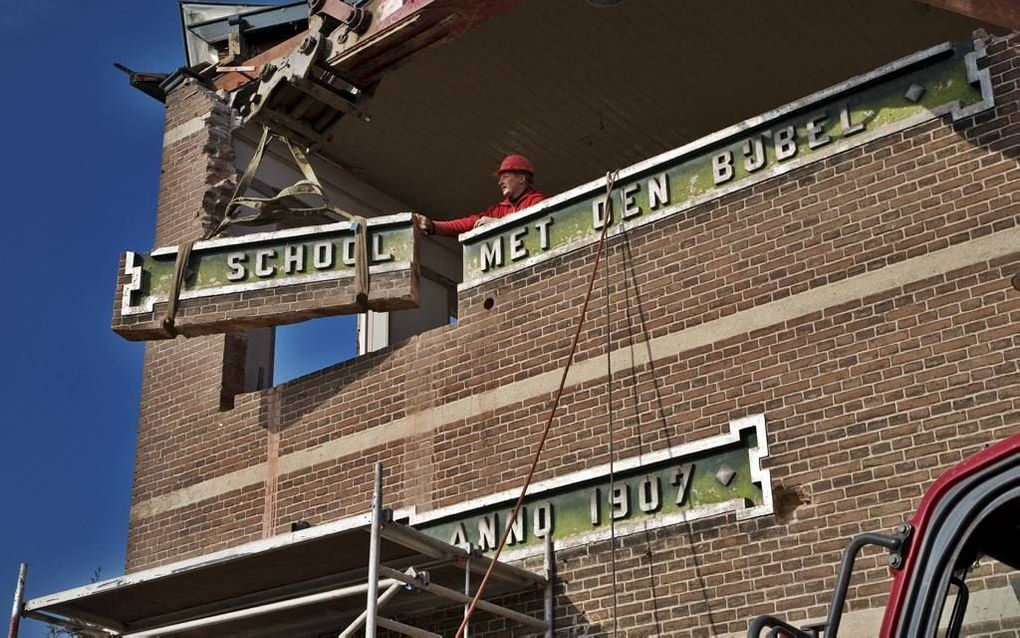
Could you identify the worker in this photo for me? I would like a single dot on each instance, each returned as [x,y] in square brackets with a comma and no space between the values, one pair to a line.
[515,176]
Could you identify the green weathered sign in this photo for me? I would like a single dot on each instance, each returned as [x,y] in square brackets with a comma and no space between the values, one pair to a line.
[249,276]
[944,79]
[700,479]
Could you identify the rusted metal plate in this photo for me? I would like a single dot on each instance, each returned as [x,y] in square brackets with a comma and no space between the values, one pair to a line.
[268,279]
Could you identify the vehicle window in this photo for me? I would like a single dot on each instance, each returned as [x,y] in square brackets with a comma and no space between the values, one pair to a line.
[983,601]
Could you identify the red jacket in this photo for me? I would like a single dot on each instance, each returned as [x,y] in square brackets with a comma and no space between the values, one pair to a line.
[455,227]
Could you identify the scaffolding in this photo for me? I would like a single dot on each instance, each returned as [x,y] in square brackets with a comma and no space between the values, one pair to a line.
[305,583]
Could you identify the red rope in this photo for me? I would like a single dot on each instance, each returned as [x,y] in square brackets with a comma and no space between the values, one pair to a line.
[610,179]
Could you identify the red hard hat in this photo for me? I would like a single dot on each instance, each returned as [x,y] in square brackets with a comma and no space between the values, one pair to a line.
[516,163]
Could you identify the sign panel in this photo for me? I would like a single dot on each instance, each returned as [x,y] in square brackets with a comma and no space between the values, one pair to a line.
[700,479]
[268,279]
[943,79]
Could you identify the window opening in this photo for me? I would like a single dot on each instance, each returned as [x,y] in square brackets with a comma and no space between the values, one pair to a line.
[309,346]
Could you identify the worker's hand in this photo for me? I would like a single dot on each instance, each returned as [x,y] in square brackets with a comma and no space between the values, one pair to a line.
[484,220]
[423,223]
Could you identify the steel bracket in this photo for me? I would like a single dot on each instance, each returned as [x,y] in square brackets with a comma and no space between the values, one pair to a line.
[897,554]
[297,95]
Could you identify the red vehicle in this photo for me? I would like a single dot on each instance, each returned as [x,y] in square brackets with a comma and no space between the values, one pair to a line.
[970,514]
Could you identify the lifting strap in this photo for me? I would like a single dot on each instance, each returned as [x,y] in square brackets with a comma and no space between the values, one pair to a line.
[276,210]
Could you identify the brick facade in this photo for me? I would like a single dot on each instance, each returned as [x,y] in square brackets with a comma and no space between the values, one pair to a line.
[862,303]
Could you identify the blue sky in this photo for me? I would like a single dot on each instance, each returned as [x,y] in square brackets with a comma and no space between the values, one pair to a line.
[79,168]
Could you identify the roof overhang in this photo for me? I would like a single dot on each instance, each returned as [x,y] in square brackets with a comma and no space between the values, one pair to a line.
[582,90]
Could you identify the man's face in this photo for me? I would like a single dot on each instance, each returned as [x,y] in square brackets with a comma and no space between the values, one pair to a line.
[512,184]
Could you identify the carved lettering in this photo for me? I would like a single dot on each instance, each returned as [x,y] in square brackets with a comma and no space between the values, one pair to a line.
[518,530]
[785,140]
[488,527]
[844,121]
[492,254]
[722,167]
[658,191]
[459,536]
[598,213]
[620,500]
[322,255]
[649,497]
[543,232]
[294,259]
[754,154]
[262,266]
[682,480]
[517,249]
[235,263]
[630,205]
[377,250]
[816,135]
[348,252]
[543,523]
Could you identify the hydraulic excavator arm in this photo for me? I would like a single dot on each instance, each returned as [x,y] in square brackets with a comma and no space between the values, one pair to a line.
[333,69]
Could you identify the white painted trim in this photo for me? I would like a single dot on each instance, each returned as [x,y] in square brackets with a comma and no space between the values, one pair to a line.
[982,77]
[133,268]
[287,233]
[152,300]
[181,131]
[757,422]
[758,475]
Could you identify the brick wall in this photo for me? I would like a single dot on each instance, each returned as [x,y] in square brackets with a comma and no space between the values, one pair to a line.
[179,431]
[862,303]
[197,172]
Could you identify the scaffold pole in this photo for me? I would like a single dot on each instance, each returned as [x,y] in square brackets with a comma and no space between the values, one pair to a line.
[550,576]
[467,589]
[281,605]
[360,620]
[371,617]
[457,597]
[19,601]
